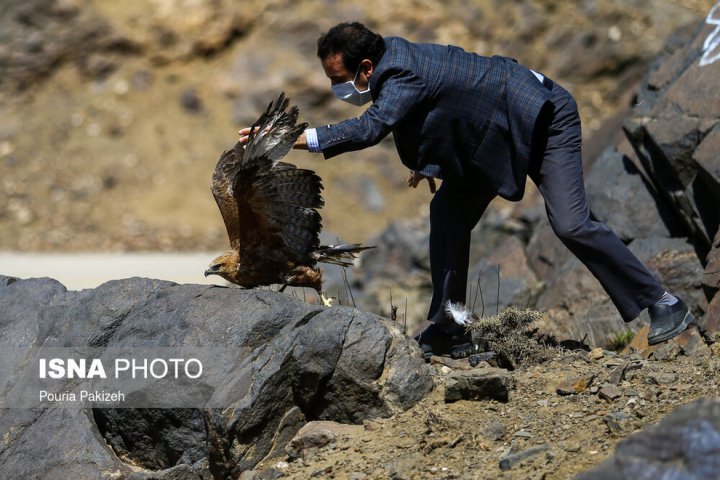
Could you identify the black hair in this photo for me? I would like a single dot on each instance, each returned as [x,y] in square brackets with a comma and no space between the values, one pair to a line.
[354,41]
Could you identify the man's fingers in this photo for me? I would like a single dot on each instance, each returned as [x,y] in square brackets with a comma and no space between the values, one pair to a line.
[431,183]
[412,180]
[415,178]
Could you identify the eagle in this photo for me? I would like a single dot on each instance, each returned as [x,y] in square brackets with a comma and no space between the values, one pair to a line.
[270,209]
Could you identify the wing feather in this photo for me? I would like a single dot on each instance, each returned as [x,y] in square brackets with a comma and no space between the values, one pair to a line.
[267,204]
[221,185]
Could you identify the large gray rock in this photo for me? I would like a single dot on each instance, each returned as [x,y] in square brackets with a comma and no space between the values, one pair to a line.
[621,198]
[682,446]
[502,279]
[545,252]
[287,363]
[675,116]
[578,308]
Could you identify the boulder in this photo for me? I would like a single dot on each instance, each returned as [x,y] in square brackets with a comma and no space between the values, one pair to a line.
[621,198]
[673,130]
[681,446]
[578,308]
[675,263]
[502,279]
[478,384]
[318,434]
[280,364]
[545,252]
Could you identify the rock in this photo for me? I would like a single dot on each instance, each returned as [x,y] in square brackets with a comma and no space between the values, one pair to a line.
[503,279]
[288,361]
[398,271]
[454,364]
[578,308]
[709,323]
[662,378]
[675,262]
[5,281]
[494,431]
[512,460]
[190,101]
[682,445]
[690,343]
[711,279]
[43,35]
[478,384]
[316,435]
[545,252]
[610,393]
[62,440]
[575,385]
[618,374]
[489,358]
[673,118]
[596,353]
[178,439]
[614,422]
[402,248]
[621,198]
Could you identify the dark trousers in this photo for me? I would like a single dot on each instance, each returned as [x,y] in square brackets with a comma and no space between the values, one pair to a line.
[557,170]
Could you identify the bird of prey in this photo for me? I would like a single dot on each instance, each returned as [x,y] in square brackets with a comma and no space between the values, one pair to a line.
[270,209]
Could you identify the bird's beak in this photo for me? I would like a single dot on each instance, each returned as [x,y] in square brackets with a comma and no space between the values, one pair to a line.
[210,271]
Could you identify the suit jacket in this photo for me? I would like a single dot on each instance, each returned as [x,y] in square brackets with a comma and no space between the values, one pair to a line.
[472,115]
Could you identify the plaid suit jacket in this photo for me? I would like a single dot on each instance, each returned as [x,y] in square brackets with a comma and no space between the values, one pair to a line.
[472,115]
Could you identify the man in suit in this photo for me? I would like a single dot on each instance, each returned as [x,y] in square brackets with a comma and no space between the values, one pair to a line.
[482,125]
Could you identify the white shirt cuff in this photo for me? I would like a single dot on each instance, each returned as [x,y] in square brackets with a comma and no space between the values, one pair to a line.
[312,140]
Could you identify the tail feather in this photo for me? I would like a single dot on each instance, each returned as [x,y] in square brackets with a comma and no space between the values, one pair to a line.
[342,254]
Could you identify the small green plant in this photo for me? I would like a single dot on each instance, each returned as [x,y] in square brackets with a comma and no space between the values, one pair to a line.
[619,341]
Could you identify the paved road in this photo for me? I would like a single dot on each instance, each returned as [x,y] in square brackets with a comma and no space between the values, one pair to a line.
[88,270]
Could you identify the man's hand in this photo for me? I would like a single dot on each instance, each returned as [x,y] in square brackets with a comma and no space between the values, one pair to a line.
[416,177]
[244,133]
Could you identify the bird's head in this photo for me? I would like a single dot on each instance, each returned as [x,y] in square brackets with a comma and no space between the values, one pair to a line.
[226,266]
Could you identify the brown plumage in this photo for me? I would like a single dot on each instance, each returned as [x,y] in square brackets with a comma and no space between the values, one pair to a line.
[270,209]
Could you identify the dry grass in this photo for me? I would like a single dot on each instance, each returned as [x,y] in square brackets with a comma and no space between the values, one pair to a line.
[512,335]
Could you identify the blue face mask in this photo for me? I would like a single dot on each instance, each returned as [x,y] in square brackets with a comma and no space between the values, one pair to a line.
[348,92]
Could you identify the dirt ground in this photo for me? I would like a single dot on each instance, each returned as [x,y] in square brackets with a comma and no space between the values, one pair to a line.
[467,439]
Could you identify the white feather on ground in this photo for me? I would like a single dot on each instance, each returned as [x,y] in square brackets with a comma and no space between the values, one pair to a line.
[460,313]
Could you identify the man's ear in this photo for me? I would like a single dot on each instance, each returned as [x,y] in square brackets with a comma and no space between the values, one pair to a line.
[367,67]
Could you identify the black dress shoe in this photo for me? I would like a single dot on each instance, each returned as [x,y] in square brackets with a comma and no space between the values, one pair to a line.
[449,340]
[668,321]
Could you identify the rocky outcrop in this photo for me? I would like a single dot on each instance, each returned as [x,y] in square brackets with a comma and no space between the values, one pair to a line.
[675,133]
[284,363]
[673,129]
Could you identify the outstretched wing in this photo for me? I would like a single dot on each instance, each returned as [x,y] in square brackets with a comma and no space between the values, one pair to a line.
[269,207]
[286,200]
